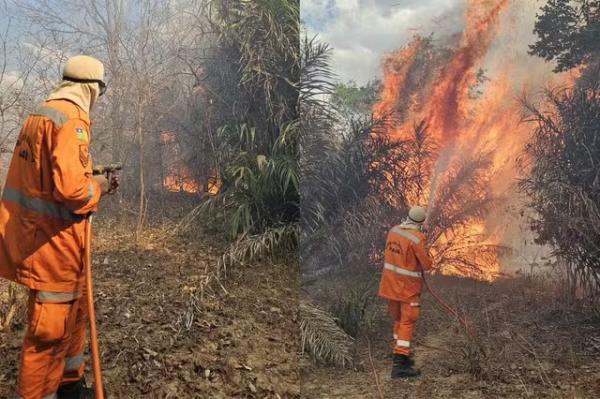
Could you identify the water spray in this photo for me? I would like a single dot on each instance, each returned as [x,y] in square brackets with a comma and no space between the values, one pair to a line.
[440,166]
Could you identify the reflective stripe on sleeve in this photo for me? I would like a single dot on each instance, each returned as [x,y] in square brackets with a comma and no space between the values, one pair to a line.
[57,117]
[402,271]
[73,363]
[406,234]
[415,304]
[48,296]
[403,343]
[39,205]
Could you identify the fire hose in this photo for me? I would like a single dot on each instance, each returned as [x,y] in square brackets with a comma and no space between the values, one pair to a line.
[449,309]
[98,387]
[95,348]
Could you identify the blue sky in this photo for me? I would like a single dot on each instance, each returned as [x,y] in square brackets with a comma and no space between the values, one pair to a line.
[362,31]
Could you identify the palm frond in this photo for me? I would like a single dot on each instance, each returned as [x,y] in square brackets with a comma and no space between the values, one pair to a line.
[322,339]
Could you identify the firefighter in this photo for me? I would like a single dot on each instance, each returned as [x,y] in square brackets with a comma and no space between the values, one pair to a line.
[49,192]
[406,259]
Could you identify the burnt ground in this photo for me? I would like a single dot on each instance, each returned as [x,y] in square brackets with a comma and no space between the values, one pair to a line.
[169,328]
[529,344]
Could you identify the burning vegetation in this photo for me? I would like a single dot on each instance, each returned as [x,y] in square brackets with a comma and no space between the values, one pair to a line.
[464,99]
[177,174]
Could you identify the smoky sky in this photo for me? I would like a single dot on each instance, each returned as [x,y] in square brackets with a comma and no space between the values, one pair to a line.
[362,31]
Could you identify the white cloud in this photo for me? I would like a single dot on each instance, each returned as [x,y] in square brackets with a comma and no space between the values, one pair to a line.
[362,31]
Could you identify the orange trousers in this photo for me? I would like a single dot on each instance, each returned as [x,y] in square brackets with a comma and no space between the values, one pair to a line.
[405,316]
[54,344]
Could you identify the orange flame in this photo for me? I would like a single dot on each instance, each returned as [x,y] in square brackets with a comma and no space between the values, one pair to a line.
[447,107]
[181,181]
[396,68]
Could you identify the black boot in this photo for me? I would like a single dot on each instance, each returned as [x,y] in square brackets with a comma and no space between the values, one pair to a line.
[402,367]
[75,390]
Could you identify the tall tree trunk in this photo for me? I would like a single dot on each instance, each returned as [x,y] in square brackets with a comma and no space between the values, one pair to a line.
[142,201]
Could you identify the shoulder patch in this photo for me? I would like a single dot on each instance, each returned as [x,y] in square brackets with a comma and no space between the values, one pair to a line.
[81,134]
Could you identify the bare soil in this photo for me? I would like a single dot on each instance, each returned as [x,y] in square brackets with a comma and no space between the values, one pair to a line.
[170,328]
[528,344]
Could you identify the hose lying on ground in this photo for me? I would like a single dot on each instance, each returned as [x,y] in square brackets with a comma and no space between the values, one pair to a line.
[449,309]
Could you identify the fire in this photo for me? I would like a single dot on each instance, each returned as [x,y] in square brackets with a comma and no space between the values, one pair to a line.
[179,177]
[396,70]
[448,104]
[462,124]
[181,181]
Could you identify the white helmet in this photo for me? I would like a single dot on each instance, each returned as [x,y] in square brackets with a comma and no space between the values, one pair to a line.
[417,214]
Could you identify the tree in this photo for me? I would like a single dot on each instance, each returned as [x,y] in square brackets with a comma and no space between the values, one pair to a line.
[568,32]
[17,73]
[353,100]
[562,163]
[250,123]
[141,44]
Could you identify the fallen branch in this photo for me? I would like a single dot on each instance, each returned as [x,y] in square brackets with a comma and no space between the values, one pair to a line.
[9,317]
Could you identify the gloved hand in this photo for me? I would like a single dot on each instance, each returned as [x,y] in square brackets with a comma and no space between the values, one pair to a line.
[113,184]
[103,182]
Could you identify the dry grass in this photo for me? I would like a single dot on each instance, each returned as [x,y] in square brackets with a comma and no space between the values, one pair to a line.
[12,305]
[170,328]
[529,343]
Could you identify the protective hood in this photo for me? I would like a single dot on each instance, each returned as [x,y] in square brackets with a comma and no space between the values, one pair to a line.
[82,94]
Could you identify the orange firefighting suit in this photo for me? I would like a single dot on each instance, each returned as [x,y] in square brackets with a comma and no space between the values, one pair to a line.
[48,193]
[406,258]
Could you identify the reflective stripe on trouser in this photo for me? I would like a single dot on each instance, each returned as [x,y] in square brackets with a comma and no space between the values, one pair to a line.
[53,346]
[56,297]
[405,316]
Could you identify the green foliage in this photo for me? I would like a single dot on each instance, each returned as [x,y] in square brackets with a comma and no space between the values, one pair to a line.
[351,308]
[354,175]
[353,100]
[568,32]
[359,183]
[343,162]
[252,128]
[262,190]
[255,71]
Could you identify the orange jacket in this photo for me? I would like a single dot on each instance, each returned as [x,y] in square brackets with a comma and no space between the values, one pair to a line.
[49,191]
[406,258]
